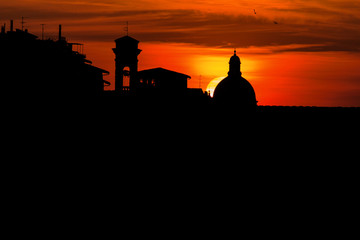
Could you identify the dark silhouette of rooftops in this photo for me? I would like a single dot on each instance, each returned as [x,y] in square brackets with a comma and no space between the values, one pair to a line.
[155,82]
[51,69]
[46,67]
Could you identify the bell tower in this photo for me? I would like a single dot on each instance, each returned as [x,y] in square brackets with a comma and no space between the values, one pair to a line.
[126,63]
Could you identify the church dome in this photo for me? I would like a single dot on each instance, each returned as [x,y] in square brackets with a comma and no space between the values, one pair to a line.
[234,90]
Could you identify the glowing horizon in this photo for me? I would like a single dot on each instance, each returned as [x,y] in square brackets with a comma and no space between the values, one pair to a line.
[309,58]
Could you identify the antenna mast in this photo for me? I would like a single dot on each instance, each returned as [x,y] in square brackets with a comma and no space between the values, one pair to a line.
[126,29]
[22,23]
[42,31]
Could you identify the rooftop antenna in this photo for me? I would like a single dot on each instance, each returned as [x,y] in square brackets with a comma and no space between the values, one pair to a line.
[22,23]
[42,31]
[60,32]
[127,28]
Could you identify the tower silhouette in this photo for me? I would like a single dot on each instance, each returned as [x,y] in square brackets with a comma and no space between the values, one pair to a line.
[234,65]
[126,63]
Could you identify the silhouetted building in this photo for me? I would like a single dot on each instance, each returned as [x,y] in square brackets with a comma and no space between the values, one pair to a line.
[150,82]
[126,63]
[163,81]
[35,68]
[234,90]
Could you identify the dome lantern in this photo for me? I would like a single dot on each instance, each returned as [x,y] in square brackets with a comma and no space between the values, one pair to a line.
[234,65]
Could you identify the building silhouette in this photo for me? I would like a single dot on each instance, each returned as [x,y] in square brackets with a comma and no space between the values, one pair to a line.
[161,81]
[156,82]
[234,90]
[126,63]
[49,69]
[34,68]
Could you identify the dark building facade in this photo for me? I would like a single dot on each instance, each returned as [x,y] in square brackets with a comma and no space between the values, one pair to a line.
[35,68]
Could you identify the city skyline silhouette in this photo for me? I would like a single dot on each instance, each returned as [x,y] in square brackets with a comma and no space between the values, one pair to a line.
[136,111]
[284,71]
[64,74]
[304,60]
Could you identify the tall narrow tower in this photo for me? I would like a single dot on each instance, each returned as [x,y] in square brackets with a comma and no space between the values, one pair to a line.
[126,63]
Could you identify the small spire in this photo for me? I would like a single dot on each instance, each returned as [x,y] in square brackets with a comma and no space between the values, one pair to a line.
[127,28]
[234,51]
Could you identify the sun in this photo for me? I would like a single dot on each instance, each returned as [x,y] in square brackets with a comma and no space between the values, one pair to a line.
[212,85]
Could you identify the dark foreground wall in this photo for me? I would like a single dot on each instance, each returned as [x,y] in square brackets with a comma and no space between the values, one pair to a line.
[167,170]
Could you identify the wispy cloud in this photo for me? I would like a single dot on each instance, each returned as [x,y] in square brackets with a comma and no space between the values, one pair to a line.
[327,25]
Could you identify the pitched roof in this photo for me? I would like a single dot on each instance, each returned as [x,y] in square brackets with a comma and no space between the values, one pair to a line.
[161,71]
[97,69]
[126,39]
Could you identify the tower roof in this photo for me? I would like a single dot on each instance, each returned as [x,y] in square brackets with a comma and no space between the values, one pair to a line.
[234,59]
[126,39]
[156,72]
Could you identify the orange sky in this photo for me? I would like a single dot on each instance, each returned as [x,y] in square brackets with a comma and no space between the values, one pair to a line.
[311,57]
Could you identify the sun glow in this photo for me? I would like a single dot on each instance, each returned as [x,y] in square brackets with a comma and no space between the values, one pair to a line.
[212,85]
[211,65]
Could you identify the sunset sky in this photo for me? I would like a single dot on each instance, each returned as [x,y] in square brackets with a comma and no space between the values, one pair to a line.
[311,57]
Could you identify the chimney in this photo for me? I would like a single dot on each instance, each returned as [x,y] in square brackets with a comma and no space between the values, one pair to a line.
[60,32]
[11,25]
